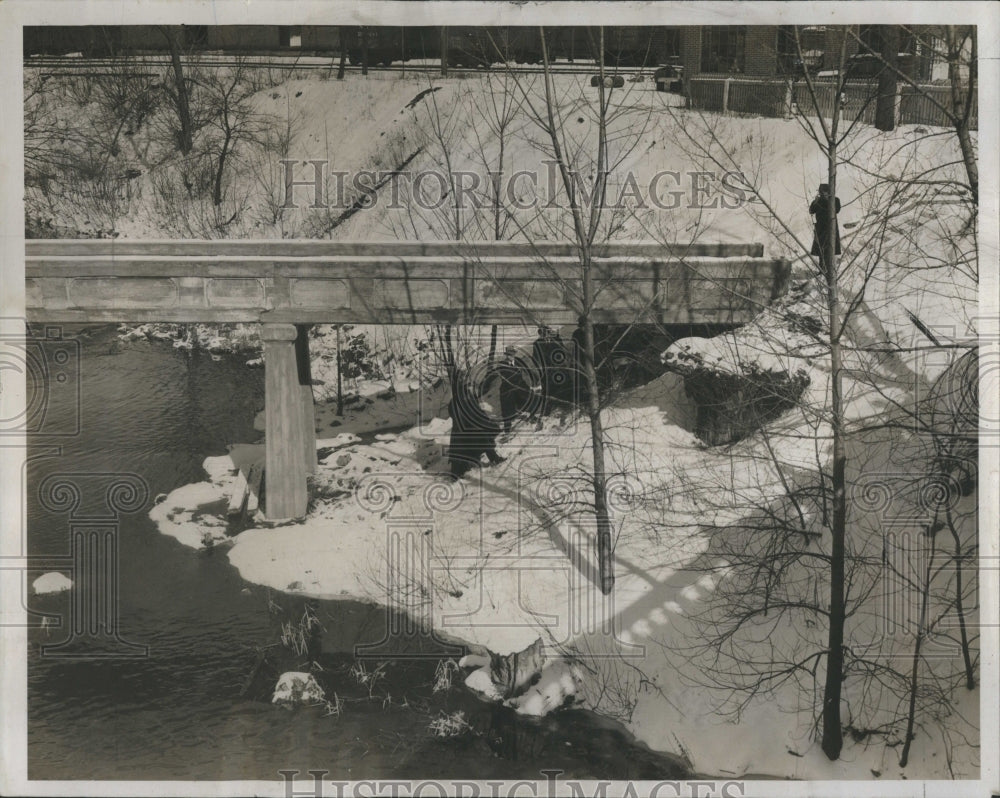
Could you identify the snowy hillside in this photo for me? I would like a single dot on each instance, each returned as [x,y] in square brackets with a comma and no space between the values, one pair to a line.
[507,555]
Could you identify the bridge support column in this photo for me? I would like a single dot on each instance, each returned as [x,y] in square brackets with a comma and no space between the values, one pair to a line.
[284,464]
[308,410]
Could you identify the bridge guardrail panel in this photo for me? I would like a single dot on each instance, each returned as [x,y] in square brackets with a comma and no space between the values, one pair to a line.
[319,291]
[101,280]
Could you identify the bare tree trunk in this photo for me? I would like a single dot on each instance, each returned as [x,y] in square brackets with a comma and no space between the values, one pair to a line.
[832,732]
[917,644]
[503,121]
[185,140]
[962,110]
[493,347]
[605,551]
[969,157]
[444,52]
[586,230]
[496,186]
[605,555]
[970,674]
[223,154]
[885,108]
[449,354]
[364,50]
[342,66]
[340,381]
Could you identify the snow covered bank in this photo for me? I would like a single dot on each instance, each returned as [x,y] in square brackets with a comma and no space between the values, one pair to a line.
[507,555]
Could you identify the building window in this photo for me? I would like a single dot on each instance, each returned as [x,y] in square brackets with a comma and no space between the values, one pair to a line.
[196,35]
[289,36]
[869,62]
[806,55]
[871,39]
[671,49]
[723,48]
[932,60]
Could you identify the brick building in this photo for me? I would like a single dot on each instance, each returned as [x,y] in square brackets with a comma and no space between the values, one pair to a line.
[771,50]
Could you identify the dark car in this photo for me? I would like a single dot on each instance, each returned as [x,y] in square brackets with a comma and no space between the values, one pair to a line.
[610,81]
[868,66]
[669,78]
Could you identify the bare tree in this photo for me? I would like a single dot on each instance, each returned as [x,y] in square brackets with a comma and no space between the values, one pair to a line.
[342,43]
[957,45]
[225,104]
[528,107]
[363,33]
[962,97]
[828,142]
[885,110]
[779,577]
[443,35]
[180,91]
[586,231]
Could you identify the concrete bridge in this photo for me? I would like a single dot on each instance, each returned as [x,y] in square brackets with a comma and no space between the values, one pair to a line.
[287,285]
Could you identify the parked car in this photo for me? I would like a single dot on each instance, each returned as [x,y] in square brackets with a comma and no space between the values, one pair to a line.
[811,62]
[610,81]
[669,78]
[868,66]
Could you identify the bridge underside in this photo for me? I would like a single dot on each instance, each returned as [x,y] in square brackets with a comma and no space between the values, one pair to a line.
[287,285]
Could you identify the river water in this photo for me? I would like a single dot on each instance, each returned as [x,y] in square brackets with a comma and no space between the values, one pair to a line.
[182,712]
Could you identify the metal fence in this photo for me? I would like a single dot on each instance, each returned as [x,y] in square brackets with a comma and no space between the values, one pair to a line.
[775,97]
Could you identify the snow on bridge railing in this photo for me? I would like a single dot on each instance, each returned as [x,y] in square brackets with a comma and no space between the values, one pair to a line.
[394,282]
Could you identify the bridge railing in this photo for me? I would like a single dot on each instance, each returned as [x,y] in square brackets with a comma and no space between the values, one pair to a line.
[393,282]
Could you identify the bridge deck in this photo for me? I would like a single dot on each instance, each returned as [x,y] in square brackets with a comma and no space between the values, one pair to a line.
[287,284]
[393,282]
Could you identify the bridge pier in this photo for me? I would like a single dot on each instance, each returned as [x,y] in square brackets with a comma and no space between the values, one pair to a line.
[285,464]
[305,382]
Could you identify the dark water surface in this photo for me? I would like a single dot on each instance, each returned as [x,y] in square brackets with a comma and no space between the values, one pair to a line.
[182,712]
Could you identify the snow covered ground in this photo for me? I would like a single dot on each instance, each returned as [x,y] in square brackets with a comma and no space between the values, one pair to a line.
[506,555]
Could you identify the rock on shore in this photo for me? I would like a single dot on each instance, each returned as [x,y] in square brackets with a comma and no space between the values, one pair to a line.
[295,689]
